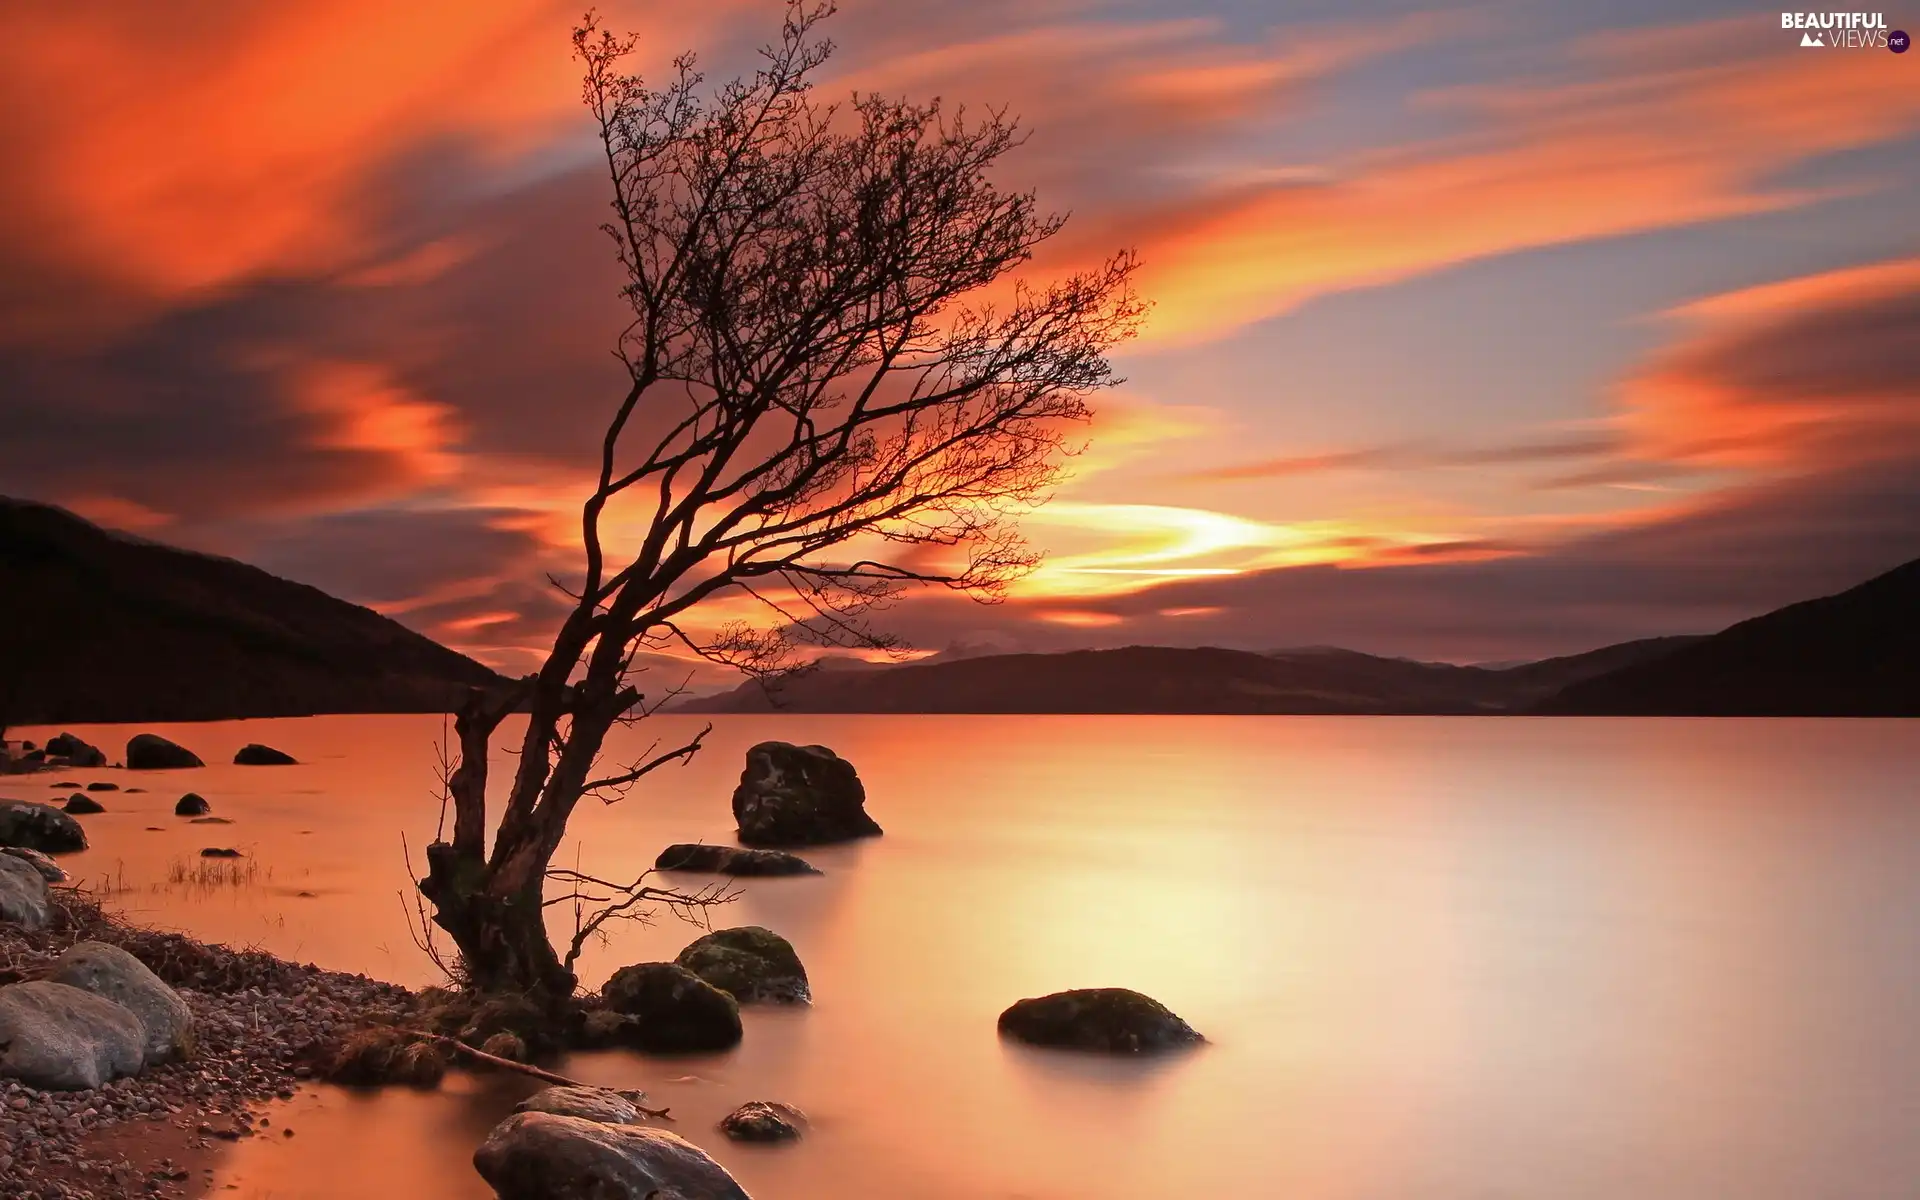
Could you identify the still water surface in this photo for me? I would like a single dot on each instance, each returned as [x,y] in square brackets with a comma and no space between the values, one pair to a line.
[1438,959]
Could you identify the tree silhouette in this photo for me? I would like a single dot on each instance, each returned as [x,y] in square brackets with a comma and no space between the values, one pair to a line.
[836,392]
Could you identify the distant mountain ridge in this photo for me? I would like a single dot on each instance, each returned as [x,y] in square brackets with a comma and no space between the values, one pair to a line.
[100,626]
[1853,654]
[1168,679]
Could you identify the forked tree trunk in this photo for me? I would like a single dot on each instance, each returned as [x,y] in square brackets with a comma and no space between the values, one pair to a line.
[493,905]
[501,932]
[493,911]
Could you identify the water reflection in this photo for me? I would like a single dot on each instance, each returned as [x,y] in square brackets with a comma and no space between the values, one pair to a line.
[1445,959]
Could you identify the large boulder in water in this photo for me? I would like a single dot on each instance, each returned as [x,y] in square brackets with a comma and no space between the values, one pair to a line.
[542,1156]
[800,796]
[751,963]
[193,804]
[39,827]
[253,754]
[1110,1020]
[604,1105]
[673,1010]
[731,860]
[64,1039]
[23,893]
[112,973]
[151,752]
[76,752]
[81,804]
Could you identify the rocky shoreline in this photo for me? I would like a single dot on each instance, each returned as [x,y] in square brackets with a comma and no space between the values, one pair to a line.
[260,1023]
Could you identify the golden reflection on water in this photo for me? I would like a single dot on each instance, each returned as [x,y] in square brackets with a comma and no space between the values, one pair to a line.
[1438,958]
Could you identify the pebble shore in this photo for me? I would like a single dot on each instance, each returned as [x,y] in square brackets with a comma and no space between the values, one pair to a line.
[260,1022]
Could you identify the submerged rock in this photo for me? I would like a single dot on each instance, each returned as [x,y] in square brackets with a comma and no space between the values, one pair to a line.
[764,1121]
[39,827]
[253,754]
[112,973]
[674,1010]
[193,804]
[1110,1020]
[64,1039]
[604,1105]
[800,796]
[82,804]
[23,890]
[543,1156]
[731,860]
[76,752]
[221,852]
[101,785]
[752,963]
[151,752]
[50,870]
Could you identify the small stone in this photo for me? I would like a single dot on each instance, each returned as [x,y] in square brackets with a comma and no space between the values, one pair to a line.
[764,1121]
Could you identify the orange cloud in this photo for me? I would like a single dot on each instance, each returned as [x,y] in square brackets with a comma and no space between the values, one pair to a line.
[1787,376]
[163,152]
[361,410]
[1633,149]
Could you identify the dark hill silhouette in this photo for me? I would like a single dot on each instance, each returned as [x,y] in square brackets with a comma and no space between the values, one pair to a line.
[100,626]
[1855,654]
[1166,679]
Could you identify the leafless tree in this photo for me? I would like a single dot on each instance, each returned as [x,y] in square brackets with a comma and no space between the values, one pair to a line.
[836,392]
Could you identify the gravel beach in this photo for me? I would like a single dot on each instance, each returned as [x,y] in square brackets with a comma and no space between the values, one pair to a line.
[260,1023]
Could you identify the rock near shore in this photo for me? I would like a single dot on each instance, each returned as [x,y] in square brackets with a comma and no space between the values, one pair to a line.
[112,974]
[151,752]
[753,964]
[1108,1020]
[64,1039]
[764,1121]
[74,752]
[673,1010]
[604,1105]
[800,796]
[253,754]
[543,1156]
[23,893]
[731,860]
[39,827]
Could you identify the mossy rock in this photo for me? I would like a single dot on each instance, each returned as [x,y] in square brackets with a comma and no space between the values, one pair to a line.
[1108,1020]
[484,1018]
[755,964]
[673,1010]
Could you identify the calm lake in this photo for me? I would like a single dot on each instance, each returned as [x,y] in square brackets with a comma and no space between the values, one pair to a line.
[1438,958]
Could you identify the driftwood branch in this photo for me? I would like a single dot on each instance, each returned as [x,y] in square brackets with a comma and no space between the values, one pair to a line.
[507,1064]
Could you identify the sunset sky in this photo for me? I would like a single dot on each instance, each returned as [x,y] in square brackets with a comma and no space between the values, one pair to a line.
[1480,332]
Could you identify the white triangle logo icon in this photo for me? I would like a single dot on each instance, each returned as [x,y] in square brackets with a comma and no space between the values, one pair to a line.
[1811,39]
